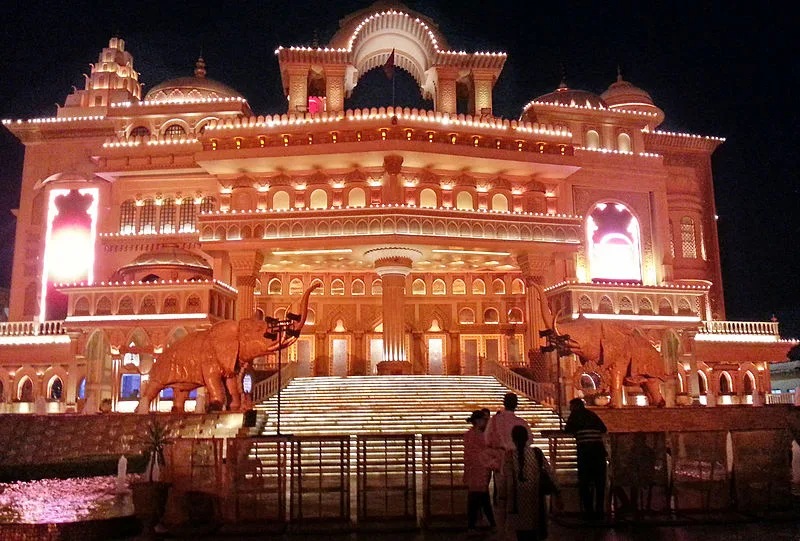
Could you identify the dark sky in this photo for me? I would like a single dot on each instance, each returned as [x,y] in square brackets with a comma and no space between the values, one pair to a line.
[720,68]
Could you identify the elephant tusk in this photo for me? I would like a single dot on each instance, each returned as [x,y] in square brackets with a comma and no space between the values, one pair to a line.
[547,315]
[555,320]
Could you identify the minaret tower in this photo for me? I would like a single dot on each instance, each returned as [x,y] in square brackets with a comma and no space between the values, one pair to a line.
[112,80]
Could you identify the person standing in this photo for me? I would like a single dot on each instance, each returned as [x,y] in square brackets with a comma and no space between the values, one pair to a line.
[588,430]
[527,479]
[477,471]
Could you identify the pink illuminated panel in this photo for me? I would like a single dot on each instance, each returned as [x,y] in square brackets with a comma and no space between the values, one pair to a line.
[614,243]
[69,245]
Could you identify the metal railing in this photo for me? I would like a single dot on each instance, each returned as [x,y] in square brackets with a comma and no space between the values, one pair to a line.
[740,327]
[444,494]
[386,468]
[779,398]
[269,387]
[32,328]
[544,393]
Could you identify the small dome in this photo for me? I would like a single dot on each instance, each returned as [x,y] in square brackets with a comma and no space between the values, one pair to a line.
[169,262]
[563,95]
[624,95]
[191,88]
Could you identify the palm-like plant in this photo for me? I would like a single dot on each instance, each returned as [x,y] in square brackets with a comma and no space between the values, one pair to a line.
[157,437]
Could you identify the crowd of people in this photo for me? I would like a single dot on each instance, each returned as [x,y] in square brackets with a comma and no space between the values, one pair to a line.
[498,454]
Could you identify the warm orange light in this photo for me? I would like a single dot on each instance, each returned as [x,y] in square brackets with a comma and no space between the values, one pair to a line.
[384,133]
[286,140]
[430,137]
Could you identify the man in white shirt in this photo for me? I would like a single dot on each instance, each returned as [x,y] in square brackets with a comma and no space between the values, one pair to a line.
[498,432]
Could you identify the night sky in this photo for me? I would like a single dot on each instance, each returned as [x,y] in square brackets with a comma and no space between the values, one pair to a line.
[715,69]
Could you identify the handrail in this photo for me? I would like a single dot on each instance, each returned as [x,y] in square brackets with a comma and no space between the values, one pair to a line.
[269,387]
[740,327]
[779,398]
[32,328]
[544,393]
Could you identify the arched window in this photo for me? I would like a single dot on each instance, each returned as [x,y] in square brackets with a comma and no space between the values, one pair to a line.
[428,199]
[665,308]
[681,387]
[82,389]
[749,383]
[515,316]
[55,389]
[127,217]
[491,316]
[208,204]
[585,305]
[459,287]
[688,240]
[147,219]
[174,132]
[517,287]
[418,287]
[614,243]
[168,216]
[187,216]
[318,199]
[320,290]
[140,131]
[295,287]
[625,305]
[592,139]
[725,383]
[280,200]
[500,202]
[438,287]
[81,307]
[275,287]
[357,287]
[337,287]
[377,287]
[194,305]
[498,287]
[478,287]
[257,287]
[170,305]
[25,390]
[356,198]
[624,142]
[311,317]
[464,201]
[466,316]
[605,306]
[645,306]
[103,307]
[280,313]
[702,382]
[125,306]
[148,305]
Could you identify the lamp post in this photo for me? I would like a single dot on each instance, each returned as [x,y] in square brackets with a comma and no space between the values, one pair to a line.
[280,330]
[560,344]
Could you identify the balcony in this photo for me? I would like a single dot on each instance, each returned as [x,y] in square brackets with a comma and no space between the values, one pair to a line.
[756,328]
[199,300]
[16,333]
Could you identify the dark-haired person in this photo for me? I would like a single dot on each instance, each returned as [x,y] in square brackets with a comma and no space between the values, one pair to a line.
[478,463]
[588,430]
[525,473]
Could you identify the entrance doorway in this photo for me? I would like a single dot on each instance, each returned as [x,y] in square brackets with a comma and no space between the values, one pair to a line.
[375,354]
[470,356]
[436,356]
[339,353]
[304,353]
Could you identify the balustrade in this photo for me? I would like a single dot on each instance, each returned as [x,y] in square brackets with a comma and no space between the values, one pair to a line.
[32,328]
[741,327]
[544,393]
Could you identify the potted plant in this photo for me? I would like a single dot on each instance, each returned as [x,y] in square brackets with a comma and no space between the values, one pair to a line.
[150,494]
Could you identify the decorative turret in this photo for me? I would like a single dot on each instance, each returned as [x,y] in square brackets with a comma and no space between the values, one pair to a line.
[112,80]
[624,95]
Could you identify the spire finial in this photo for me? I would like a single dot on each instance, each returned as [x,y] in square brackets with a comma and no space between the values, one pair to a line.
[619,73]
[563,84]
[315,39]
[200,66]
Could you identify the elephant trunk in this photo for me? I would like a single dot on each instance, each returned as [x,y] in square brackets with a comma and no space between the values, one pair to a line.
[298,326]
[547,315]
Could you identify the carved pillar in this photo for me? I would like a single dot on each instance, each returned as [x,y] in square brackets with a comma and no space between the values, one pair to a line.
[419,359]
[446,90]
[358,364]
[454,354]
[483,81]
[246,267]
[692,385]
[298,88]
[334,88]
[322,361]
[393,264]
[392,191]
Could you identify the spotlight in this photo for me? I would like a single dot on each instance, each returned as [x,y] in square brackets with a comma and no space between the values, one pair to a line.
[271,335]
[271,321]
[292,333]
[292,317]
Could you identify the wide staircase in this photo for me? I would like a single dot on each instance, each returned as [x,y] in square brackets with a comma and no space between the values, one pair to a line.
[391,405]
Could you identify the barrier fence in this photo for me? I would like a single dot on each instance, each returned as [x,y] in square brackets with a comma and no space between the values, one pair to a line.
[417,479]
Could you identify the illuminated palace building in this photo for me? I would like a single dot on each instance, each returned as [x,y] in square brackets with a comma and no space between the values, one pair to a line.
[145,215]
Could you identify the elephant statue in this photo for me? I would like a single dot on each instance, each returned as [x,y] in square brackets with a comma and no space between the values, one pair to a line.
[627,355]
[216,358]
